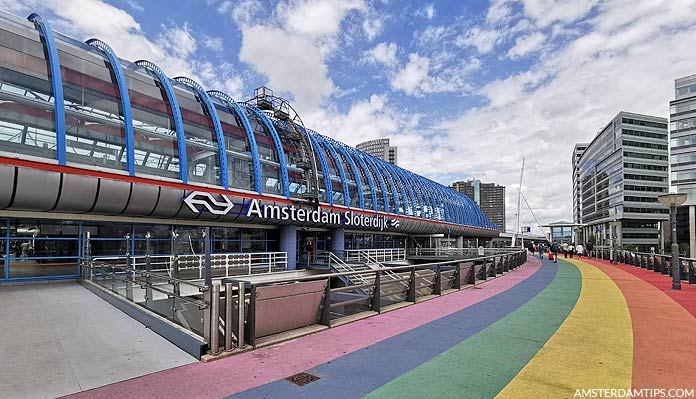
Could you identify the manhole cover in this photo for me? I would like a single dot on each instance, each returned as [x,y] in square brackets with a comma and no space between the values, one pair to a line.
[302,379]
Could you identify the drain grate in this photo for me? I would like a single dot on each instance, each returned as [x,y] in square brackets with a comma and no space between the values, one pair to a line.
[302,379]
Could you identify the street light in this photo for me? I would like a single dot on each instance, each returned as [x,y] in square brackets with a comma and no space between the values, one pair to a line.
[672,201]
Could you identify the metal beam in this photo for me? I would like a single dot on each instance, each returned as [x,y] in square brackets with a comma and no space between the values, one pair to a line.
[382,182]
[339,165]
[56,85]
[324,167]
[389,178]
[222,149]
[356,174]
[368,175]
[237,110]
[278,144]
[125,100]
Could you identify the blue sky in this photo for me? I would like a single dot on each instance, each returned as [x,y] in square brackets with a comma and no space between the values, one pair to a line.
[464,88]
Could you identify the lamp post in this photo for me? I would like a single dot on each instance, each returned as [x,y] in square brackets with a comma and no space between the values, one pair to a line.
[672,201]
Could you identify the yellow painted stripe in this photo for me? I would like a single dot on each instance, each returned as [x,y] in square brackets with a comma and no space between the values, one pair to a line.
[593,348]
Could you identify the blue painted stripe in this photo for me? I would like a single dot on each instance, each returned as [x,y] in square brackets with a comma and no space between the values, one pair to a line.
[359,373]
[125,100]
[56,85]
[222,149]
[279,147]
[236,109]
[176,115]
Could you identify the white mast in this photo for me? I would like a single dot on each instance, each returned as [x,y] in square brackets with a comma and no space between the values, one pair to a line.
[519,205]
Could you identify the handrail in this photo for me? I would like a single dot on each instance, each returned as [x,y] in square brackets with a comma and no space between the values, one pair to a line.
[393,268]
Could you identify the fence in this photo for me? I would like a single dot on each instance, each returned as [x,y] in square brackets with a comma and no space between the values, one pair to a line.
[656,262]
[285,304]
[380,255]
[458,252]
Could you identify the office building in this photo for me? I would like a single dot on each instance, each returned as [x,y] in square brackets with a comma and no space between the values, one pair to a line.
[682,130]
[621,173]
[577,197]
[379,148]
[489,196]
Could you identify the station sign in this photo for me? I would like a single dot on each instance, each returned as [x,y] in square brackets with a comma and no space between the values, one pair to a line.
[201,200]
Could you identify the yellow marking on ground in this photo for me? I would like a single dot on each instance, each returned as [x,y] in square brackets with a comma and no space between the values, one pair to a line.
[593,348]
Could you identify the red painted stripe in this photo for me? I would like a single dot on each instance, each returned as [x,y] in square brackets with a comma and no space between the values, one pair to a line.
[663,354]
[135,179]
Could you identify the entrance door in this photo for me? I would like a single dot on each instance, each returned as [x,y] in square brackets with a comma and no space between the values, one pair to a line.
[310,247]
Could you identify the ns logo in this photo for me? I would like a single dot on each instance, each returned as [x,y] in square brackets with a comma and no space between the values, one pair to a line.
[394,223]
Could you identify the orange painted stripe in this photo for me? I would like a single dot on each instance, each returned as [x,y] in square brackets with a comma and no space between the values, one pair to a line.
[663,333]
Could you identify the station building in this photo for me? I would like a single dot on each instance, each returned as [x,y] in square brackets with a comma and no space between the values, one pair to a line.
[92,145]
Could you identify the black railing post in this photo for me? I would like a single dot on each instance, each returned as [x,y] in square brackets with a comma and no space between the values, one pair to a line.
[376,296]
[458,277]
[692,272]
[149,300]
[326,309]
[411,296]
[437,289]
[251,317]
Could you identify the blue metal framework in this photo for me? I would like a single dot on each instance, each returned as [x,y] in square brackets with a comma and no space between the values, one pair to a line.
[237,110]
[326,172]
[382,182]
[413,189]
[279,147]
[176,114]
[422,194]
[125,100]
[429,194]
[56,85]
[409,189]
[216,124]
[390,179]
[339,164]
[368,174]
[356,174]
[406,200]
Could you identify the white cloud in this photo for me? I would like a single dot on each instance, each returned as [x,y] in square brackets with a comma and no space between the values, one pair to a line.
[213,43]
[243,12]
[427,11]
[483,39]
[292,49]
[372,27]
[411,78]
[524,45]
[383,53]
[545,12]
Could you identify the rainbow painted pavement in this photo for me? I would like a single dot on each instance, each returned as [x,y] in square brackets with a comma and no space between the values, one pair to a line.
[545,330]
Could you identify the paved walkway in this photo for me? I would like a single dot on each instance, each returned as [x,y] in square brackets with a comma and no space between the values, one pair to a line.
[544,330]
[58,339]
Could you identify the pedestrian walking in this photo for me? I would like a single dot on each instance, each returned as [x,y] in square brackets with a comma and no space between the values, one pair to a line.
[554,250]
[571,250]
[530,247]
[564,248]
[541,250]
[579,250]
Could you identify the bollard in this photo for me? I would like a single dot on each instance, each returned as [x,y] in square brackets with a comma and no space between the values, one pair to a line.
[229,307]
[215,320]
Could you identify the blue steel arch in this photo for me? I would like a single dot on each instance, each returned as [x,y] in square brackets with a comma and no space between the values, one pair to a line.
[459,211]
[324,167]
[475,211]
[409,189]
[405,199]
[426,194]
[125,100]
[390,179]
[56,85]
[368,174]
[382,180]
[279,147]
[414,190]
[422,195]
[448,215]
[339,164]
[176,114]
[216,125]
[234,107]
[356,174]
[432,197]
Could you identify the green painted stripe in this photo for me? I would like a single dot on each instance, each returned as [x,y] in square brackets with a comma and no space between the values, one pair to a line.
[484,364]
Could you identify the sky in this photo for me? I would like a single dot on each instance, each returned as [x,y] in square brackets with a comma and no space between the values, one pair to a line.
[465,89]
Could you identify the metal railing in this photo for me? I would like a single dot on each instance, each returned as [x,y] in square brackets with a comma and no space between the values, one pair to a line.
[238,263]
[458,252]
[240,323]
[659,263]
[381,255]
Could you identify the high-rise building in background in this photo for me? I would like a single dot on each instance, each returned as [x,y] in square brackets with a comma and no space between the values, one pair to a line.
[621,173]
[577,194]
[489,196]
[682,130]
[379,148]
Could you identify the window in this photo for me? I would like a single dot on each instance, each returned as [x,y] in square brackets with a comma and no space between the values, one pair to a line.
[639,122]
[644,145]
